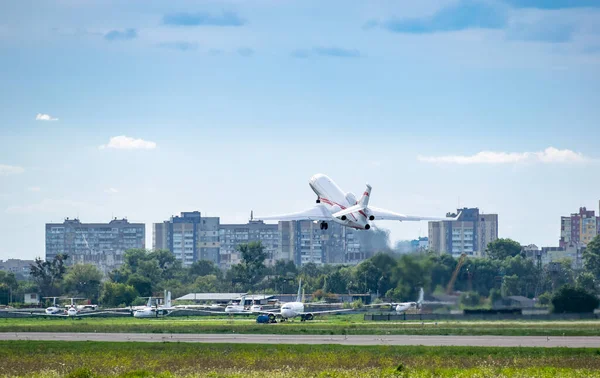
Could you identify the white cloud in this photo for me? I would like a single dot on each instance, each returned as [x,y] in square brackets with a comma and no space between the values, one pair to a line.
[50,206]
[123,142]
[549,155]
[34,189]
[6,170]
[111,191]
[45,117]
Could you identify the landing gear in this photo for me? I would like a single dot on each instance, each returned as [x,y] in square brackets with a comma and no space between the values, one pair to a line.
[324,225]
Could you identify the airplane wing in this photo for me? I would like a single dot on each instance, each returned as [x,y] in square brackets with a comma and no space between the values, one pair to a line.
[216,312]
[318,212]
[382,214]
[350,210]
[104,312]
[380,304]
[327,311]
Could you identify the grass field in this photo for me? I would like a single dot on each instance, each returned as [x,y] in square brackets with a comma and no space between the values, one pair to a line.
[90,359]
[331,325]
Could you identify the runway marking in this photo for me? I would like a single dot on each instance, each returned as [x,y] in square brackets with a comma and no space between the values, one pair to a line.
[483,341]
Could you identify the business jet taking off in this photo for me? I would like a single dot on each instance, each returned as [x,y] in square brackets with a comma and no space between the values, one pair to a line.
[335,206]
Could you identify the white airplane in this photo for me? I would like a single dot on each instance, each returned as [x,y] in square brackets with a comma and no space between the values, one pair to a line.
[238,308]
[291,310]
[53,309]
[335,206]
[80,307]
[154,312]
[403,306]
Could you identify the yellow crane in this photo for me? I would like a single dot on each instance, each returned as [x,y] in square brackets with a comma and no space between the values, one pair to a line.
[461,261]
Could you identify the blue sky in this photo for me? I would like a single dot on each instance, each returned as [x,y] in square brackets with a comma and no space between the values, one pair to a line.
[144,109]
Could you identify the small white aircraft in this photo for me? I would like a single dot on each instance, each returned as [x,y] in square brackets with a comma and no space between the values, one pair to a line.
[52,310]
[80,307]
[237,308]
[291,310]
[403,306]
[70,311]
[154,312]
[335,206]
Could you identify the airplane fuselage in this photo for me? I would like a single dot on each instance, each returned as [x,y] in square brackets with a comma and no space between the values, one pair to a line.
[404,306]
[292,309]
[151,312]
[334,199]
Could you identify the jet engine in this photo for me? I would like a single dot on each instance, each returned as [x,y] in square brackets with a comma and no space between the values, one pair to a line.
[308,316]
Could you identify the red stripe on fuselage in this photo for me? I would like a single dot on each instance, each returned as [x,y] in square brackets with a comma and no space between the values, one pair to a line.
[325,200]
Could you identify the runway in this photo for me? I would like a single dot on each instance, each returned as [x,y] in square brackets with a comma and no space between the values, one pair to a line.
[483,341]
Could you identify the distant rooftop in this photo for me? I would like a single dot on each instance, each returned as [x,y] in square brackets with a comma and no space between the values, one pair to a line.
[218,297]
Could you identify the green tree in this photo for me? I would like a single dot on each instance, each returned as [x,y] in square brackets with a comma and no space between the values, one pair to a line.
[48,275]
[117,294]
[203,268]
[83,279]
[511,285]
[141,284]
[9,280]
[495,295]
[544,299]
[337,281]
[587,281]
[169,266]
[500,249]
[8,286]
[470,299]
[253,258]
[285,268]
[409,275]
[367,276]
[573,299]
[206,284]
[591,257]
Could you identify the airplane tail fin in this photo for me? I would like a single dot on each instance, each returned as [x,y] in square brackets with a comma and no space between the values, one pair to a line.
[168,299]
[421,297]
[364,200]
[299,297]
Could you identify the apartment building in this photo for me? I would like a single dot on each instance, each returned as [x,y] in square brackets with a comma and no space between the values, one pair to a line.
[100,244]
[469,234]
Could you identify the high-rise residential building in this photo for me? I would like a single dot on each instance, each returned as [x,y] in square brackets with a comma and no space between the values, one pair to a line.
[189,236]
[579,228]
[16,266]
[470,233]
[232,235]
[101,244]
[192,237]
[304,242]
[419,245]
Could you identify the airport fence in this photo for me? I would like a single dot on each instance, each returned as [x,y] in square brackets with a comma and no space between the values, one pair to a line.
[463,317]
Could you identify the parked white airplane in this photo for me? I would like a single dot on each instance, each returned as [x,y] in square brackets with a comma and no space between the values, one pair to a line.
[291,310]
[152,312]
[53,309]
[237,308]
[403,306]
[335,206]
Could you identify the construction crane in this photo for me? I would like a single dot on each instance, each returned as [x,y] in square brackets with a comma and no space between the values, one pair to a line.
[461,261]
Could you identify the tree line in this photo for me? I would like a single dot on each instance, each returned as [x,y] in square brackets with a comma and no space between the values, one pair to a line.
[504,272]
